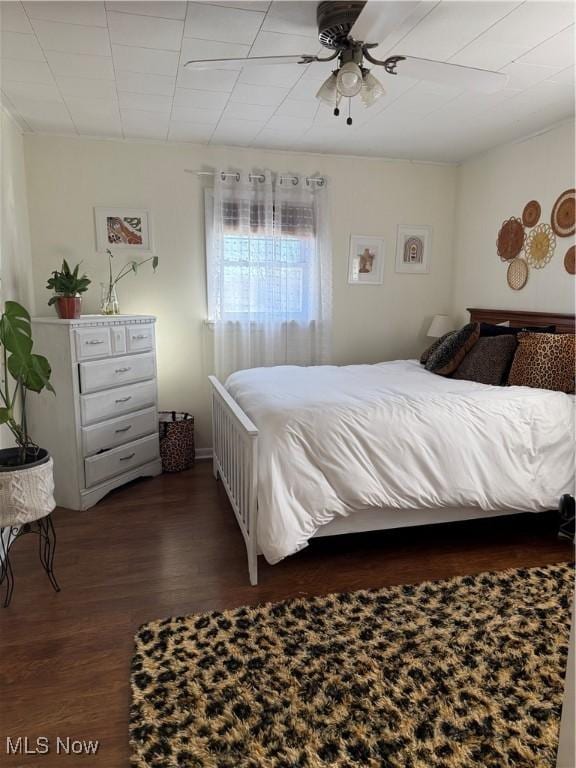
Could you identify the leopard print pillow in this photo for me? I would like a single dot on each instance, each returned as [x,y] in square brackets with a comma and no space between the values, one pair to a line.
[488,361]
[545,361]
[448,356]
[433,347]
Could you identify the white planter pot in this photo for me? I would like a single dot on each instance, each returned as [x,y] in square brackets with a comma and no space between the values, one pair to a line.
[26,493]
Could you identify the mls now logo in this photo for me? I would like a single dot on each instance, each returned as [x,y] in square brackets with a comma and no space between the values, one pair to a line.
[25,746]
[22,745]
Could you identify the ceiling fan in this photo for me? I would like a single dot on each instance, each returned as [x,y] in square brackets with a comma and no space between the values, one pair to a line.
[351,28]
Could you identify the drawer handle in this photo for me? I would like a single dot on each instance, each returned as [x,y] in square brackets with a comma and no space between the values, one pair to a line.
[91,342]
[127,458]
[140,337]
[124,399]
[122,370]
[123,429]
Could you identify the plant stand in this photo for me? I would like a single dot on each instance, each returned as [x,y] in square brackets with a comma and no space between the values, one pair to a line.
[44,528]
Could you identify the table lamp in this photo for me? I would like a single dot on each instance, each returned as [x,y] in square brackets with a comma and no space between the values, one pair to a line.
[440,325]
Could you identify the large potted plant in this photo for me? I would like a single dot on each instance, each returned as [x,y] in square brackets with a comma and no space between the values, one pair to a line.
[68,287]
[26,477]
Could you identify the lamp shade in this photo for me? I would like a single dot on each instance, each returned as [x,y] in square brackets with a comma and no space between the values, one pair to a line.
[327,92]
[349,79]
[372,89]
[440,325]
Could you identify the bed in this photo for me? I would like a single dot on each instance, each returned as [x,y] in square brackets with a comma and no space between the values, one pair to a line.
[326,450]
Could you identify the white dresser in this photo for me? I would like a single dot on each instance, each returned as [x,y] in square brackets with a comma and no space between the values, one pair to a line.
[101,427]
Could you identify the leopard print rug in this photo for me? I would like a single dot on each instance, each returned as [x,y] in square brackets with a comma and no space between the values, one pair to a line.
[446,674]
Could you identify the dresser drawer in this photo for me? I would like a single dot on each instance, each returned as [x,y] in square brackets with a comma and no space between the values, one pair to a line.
[140,337]
[120,460]
[103,374]
[116,402]
[92,342]
[116,432]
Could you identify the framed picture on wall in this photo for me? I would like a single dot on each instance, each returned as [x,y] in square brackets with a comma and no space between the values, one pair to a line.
[366,260]
[413,248]
[127,229]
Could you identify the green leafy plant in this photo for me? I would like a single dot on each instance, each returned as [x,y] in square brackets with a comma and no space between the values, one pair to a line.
[66,282]
[109,298]
[132,266]
[30,372]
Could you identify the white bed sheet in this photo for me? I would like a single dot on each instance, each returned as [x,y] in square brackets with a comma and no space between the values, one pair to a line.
[333,440]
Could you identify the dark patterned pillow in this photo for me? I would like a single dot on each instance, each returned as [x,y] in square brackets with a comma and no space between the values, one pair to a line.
[448,356]
[489,329]
[489,360]
[545,361]
[433,347]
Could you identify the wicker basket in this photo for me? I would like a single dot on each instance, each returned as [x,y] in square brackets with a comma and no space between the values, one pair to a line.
[176,441]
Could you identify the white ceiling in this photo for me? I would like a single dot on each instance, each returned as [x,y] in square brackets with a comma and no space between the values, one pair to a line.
[115,69]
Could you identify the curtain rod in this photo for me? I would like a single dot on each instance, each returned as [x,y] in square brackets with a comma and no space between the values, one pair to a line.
[260,176]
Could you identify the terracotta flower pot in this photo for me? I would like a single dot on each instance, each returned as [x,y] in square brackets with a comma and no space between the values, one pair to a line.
[68,307]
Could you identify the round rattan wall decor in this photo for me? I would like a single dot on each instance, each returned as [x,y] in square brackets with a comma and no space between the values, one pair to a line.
[540,245]
[570,260]
[531,213]
[510,239]
[563,217]
[517,274]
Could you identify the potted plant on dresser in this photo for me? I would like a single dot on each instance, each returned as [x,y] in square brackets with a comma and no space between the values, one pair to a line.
[68,287]
[26,470]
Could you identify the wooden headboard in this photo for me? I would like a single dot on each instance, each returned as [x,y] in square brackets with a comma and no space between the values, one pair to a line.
[518,319]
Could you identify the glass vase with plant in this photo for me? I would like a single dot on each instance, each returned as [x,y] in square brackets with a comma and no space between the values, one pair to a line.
[29,373]
[68,287]
[109,304]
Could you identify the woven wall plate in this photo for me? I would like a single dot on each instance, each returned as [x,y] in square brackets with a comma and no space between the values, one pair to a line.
[517,274]
[540,245]
[570,260]
[531,213]
[510,239]
[563,218]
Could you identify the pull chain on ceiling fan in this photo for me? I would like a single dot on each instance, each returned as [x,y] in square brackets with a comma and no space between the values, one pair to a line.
[351,30]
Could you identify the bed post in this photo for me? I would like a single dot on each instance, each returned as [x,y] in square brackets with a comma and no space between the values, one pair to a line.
[214,433]
[253,514]
[235,461]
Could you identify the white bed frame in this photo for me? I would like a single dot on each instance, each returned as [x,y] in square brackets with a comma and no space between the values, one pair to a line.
[235,461]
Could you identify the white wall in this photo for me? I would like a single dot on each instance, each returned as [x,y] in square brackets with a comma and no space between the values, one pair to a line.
[15,257]
[493,187]
[68,177]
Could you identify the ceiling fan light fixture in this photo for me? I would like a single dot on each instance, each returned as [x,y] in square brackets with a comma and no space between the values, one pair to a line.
[372,89]
[349,79]
[327,91]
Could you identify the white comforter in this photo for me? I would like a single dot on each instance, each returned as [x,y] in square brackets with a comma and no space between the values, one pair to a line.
[333,440]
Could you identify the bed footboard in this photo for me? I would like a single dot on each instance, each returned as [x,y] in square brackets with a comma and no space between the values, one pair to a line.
[235,461]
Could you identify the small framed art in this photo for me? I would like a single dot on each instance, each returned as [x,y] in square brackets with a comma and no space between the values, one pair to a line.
[413,249]
[366,260]
[123,229]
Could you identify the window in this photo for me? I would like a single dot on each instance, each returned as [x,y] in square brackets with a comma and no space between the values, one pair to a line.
[268,264]
[264,276]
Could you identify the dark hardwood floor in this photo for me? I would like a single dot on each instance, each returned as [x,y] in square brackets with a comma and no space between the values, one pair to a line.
[170,546]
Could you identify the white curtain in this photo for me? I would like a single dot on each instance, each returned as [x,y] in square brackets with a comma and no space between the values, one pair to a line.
[269,271]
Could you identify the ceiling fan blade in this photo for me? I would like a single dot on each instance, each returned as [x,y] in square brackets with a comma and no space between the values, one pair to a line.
[377,19]
[481,80]
[255,61]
